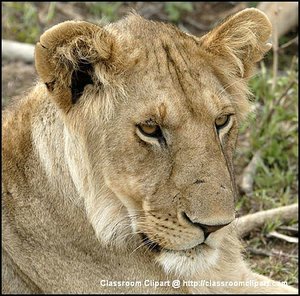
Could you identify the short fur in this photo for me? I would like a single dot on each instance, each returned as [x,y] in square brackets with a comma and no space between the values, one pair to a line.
[81,183]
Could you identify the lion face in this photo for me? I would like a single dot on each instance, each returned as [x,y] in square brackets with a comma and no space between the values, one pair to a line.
[176,140]
[163,155]
[176,168]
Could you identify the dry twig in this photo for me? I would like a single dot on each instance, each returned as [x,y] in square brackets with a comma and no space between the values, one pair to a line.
[289,228]
[262,252]
[290,42]
[287,238]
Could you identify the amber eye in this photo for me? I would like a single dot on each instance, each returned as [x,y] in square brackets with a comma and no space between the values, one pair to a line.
[222,121]
[150,130]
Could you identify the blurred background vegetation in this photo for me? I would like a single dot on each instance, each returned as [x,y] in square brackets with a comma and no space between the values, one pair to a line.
[271,133]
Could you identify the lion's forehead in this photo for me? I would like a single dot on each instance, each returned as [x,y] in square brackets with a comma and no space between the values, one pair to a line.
[159,45]
[170,65]
[144,29]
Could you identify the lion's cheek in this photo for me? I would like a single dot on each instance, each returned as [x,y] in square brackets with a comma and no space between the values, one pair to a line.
[128,189]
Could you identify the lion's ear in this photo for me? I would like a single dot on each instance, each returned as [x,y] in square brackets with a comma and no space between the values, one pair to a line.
[66,55]
[241,39]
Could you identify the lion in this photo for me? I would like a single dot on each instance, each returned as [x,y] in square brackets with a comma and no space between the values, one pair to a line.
[118,164]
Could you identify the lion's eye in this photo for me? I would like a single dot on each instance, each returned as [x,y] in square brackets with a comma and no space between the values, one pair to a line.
[150,130]
[222,121]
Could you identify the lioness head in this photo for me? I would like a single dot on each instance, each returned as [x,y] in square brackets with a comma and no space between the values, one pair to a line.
[151,115]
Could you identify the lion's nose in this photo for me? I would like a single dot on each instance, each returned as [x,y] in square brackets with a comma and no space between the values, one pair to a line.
[207,229]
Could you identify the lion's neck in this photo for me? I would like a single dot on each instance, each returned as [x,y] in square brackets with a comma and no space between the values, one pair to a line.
[71,191]
[35,151]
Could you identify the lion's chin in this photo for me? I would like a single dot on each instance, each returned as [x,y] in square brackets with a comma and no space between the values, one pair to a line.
[189,262]
[186,262]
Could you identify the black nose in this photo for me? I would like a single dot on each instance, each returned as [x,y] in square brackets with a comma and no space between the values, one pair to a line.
[207,229]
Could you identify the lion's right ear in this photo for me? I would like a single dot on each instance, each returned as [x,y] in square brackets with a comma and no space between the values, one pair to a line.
[241,39]
[66,55]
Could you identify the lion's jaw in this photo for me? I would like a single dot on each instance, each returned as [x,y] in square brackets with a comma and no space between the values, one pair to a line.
[121,223]
[190,263]
[190,255]
[121,226]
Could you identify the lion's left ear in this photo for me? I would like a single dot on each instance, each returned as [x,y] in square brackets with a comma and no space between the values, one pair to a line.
[66,55]
[241,39]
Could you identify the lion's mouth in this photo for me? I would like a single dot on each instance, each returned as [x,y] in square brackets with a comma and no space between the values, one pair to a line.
[155,247]
[151,245]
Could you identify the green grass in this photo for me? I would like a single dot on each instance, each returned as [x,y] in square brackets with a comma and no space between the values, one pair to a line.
[106,10]
[175,10]
[273,130]
[20,22]
[278,267]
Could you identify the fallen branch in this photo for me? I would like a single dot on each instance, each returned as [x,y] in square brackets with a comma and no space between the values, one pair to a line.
[247,223]
[246,184]
[286,20]
[259,252]
[13,50]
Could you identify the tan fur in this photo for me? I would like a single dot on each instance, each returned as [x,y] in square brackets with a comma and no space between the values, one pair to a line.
[81,182]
